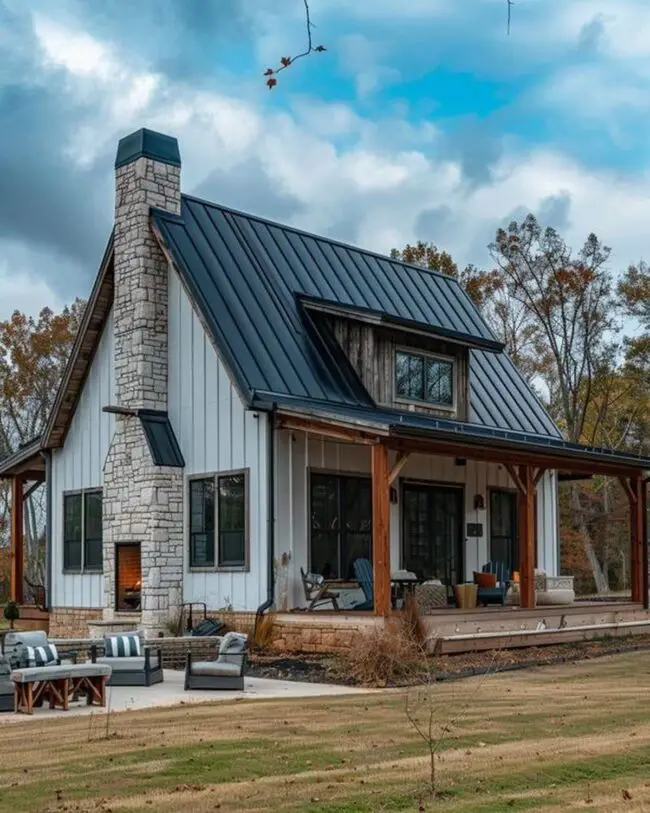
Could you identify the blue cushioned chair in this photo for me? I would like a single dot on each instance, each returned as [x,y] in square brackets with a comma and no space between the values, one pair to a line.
[363,572]
[495,595]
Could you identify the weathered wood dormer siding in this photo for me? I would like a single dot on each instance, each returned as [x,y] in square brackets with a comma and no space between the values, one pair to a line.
[371,350]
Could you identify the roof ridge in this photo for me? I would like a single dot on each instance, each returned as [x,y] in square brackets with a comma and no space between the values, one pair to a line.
[331,240]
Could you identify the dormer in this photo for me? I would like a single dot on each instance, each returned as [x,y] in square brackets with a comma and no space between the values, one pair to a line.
[403,365]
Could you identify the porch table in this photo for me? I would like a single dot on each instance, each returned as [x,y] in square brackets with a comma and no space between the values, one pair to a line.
[406,585]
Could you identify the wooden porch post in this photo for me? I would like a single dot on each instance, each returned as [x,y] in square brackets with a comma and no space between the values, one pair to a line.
[381,529]
[634,489]
[645,597]
[17,539]
[527,542]
[638,538]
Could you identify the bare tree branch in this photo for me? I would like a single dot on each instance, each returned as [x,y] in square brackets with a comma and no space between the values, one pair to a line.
[286,61]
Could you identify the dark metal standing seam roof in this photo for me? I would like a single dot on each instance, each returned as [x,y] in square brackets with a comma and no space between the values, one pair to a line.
[247,275]
[161,439]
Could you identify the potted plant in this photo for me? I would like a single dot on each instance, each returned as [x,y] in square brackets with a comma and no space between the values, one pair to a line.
[12,613]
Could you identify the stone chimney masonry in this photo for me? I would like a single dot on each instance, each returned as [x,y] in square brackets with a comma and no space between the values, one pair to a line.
[142,502]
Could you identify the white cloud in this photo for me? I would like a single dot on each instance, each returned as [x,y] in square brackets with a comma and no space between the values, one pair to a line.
[376,178]
[22,290]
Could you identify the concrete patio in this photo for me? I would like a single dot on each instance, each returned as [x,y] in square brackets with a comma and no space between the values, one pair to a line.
[171,693]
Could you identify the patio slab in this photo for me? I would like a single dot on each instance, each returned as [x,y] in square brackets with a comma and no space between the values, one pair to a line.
[171,693]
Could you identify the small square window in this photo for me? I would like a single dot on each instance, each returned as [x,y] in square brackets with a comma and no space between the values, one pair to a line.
[424,378]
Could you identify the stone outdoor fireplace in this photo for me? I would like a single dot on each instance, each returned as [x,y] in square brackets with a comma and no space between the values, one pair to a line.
[128,577]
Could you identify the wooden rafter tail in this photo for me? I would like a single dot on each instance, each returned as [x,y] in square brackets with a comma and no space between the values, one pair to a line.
[402,460]
[521,488]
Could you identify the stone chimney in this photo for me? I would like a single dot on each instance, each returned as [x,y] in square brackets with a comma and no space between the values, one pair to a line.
[143,503]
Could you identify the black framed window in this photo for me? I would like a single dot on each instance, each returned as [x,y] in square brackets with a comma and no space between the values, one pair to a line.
[202,522]
[218,512]
[82,532]
[232,520]
[424,378]
[341,523]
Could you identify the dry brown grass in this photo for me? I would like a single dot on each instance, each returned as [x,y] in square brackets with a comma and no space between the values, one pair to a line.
[390,655]
[566,738]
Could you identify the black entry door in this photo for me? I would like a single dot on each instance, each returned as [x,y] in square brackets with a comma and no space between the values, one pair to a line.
[503,529]
[341,524]
[432,531]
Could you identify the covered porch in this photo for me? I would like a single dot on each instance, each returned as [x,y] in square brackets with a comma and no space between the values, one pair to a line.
[392,445]
[26,471]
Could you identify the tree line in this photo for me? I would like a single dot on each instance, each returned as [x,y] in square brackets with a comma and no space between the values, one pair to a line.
[579,334]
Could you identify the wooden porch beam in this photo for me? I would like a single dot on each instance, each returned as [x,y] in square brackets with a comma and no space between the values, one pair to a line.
[527,538]
[402,460]
[381,529]
[541,471]
[514,458]
[512,471]
[327,430]
[27,493]
[17,540]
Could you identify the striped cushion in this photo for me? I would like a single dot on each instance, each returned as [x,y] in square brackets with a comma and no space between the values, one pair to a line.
[40,655]
[122,646]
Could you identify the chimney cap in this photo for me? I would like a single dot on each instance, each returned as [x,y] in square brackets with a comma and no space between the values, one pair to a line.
[148,144]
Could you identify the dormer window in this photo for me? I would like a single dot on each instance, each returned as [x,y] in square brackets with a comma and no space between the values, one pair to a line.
[425,378]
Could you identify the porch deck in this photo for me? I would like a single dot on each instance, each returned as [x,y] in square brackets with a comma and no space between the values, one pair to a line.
[454,630]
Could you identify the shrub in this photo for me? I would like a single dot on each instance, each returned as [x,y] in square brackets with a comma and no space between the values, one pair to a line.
[263,632]
[393,654]
[12,613]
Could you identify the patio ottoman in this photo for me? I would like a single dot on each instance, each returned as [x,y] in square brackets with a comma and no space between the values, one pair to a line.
[35,684]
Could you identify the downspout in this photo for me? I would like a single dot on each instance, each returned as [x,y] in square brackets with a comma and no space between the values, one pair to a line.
[47,455]
[270,530]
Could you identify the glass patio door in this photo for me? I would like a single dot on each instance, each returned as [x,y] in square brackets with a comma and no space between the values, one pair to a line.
[503,528]
[432,531]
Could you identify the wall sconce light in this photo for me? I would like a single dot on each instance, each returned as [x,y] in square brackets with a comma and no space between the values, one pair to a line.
[460,461]
[393,496]
[479,502]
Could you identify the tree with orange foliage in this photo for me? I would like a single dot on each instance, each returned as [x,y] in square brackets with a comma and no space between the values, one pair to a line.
[33,356]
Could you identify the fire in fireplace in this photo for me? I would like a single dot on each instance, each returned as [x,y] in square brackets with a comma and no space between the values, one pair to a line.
[128,577]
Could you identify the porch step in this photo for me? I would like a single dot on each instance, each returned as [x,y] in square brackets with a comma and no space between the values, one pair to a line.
[478,642]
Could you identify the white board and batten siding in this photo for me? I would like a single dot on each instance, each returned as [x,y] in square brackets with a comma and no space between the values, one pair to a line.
[80,465]
[298,454]
[216,434]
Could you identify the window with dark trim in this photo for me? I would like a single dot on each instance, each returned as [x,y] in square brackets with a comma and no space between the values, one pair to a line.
[341,524]
[218,521]
[82,532]
[421,377]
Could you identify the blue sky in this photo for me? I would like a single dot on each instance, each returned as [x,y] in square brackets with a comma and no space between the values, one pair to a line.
[423,120]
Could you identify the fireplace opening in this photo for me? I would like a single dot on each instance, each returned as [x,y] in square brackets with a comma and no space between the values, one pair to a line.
[128,577]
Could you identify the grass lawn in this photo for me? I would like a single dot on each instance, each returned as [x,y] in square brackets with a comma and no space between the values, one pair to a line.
[571,737]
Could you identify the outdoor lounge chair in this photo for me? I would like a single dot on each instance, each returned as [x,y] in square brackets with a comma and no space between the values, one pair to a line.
[226,672]
[14,649]
[363,572]
[316,591]
[495,595]
[131,664]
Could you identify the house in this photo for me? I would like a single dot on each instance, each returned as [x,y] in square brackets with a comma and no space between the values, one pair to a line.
[244,400]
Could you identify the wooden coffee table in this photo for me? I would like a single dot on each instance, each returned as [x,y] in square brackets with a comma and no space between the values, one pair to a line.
[57,684]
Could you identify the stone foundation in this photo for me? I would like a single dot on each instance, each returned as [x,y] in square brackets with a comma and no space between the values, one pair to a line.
[69,622]
[302,633]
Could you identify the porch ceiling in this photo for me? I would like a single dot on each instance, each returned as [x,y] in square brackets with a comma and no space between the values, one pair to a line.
[423,435]
[27,462]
